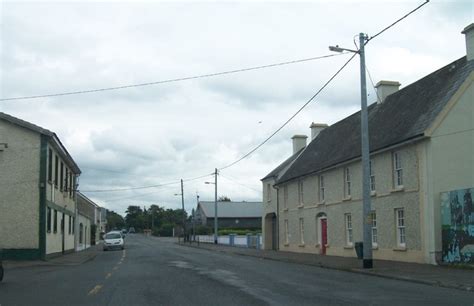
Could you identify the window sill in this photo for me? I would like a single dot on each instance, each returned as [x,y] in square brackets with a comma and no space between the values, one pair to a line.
[301,206]
[375,247]
[301,245]
[400,249]
[373,193]
[285,209]
[348,247]
[321,203]
[286,244]
[347,199]
[397,189]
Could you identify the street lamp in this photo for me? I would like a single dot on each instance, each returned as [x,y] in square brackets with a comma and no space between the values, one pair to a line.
[182,205]
[364,128]
[215,204]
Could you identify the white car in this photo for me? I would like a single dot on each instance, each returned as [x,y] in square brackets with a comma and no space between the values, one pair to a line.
[113,240]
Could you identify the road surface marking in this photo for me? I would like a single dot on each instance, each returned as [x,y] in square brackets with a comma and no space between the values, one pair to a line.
[108,275]
[95,290]
[115,268]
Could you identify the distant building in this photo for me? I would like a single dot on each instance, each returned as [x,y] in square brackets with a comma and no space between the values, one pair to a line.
[421,176]
[37,183]
[230,214]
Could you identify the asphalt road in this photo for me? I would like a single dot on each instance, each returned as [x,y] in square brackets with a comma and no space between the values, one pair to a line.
[154,271]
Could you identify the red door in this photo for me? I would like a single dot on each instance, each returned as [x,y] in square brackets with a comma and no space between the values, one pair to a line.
[324,235]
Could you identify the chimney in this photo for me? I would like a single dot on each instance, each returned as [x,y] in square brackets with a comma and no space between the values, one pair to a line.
[469,32]
[316,128]
[386,88]
[299,142]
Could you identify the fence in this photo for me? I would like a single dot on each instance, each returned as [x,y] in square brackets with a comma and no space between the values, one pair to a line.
[248,241]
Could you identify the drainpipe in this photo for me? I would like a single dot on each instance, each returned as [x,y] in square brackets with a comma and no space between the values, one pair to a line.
[278,217]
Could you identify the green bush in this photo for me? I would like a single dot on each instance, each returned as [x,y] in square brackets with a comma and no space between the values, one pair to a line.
[203,230]
[238,231]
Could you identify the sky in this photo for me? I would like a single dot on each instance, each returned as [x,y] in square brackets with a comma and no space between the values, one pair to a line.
[159,134]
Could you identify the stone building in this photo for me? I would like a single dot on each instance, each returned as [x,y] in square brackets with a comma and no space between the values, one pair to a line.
[37,182]
[421,146]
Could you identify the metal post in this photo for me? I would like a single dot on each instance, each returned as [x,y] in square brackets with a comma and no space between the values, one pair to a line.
[182,205]
[364,126]
[215,207]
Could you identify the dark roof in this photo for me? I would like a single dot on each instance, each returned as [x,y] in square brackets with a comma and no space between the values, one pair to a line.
[278,171]
[53,137]
[404,115]
[226,209]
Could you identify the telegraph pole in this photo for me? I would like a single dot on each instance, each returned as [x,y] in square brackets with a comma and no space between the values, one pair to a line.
[367,262]
[215,207]
[182,205]
[364,131]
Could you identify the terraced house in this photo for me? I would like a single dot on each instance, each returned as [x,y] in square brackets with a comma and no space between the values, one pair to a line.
[37,183]
[421,151]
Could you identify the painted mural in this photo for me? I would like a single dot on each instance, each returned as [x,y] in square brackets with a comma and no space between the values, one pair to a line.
[457,214]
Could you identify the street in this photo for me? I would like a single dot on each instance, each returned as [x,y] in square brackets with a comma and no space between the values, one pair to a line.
[157,271]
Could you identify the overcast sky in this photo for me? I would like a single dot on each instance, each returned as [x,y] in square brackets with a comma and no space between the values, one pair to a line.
[159,134]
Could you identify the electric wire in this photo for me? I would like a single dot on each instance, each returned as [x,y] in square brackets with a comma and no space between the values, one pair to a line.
[235,182]
[293,116]
[169,80]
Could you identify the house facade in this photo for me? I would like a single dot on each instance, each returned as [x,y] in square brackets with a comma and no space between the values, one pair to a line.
[230,214]
[37,183]
[421,148]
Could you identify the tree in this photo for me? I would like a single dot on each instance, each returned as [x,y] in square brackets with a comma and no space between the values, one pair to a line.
[135,217]
[224,199]
[114,220]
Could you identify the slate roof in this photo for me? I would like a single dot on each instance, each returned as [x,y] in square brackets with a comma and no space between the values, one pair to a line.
[55,139]
[278,171]
[227,209]
[404,115]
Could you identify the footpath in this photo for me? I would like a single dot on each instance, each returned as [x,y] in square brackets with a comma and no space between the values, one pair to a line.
[71,259]
[442,276]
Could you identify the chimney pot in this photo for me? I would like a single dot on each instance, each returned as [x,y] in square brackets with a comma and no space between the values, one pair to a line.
[469,33]
[316,128]
[386,88]
[299,142]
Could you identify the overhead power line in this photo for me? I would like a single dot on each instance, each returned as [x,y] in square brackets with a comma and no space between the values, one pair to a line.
[236,182]
[169,80]
[293,116]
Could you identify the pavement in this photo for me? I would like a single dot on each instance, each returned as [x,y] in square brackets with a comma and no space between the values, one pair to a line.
[71,259]
[441,276]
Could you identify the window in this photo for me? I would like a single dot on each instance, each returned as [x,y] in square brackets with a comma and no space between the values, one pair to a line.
[70,184]
[301,231]
[70,226]
[348,222]
[372,176]
[373,217]
[73,225]
[269,189]
[321,189]
[66,180]
[347,182]
[285,196]
[300,192]
[62,224]
[287,234]
[398,171]
[400,215]
[61,183]
[48,222]
[81,228]
[56,163]
[55,221]
[50,165]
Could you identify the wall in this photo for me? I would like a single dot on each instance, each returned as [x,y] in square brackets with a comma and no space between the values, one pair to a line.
[269,201]
[86,232]
[385,200]
[19,187]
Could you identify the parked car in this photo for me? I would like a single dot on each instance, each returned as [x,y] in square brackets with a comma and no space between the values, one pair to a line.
[131,230]
[114,240]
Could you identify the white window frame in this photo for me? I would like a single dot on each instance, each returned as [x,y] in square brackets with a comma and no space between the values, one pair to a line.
[300,192]
[347,181]
[400,227]
[322,196]
[287,234]
[373,218]
[269,195]
[372,175]
[349,232]
[285,196]
[397,170]
[302,231]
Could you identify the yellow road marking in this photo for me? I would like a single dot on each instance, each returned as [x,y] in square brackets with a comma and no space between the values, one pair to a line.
[95,290]
[108,275]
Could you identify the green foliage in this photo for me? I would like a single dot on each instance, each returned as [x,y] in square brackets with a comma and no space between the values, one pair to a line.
[224,199]
[166,230]
[203,230]
[114,220]
[161,220]
[238,231]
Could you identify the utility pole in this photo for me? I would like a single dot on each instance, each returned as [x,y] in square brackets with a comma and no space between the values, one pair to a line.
[182,205]
[215,207]
[367,262]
